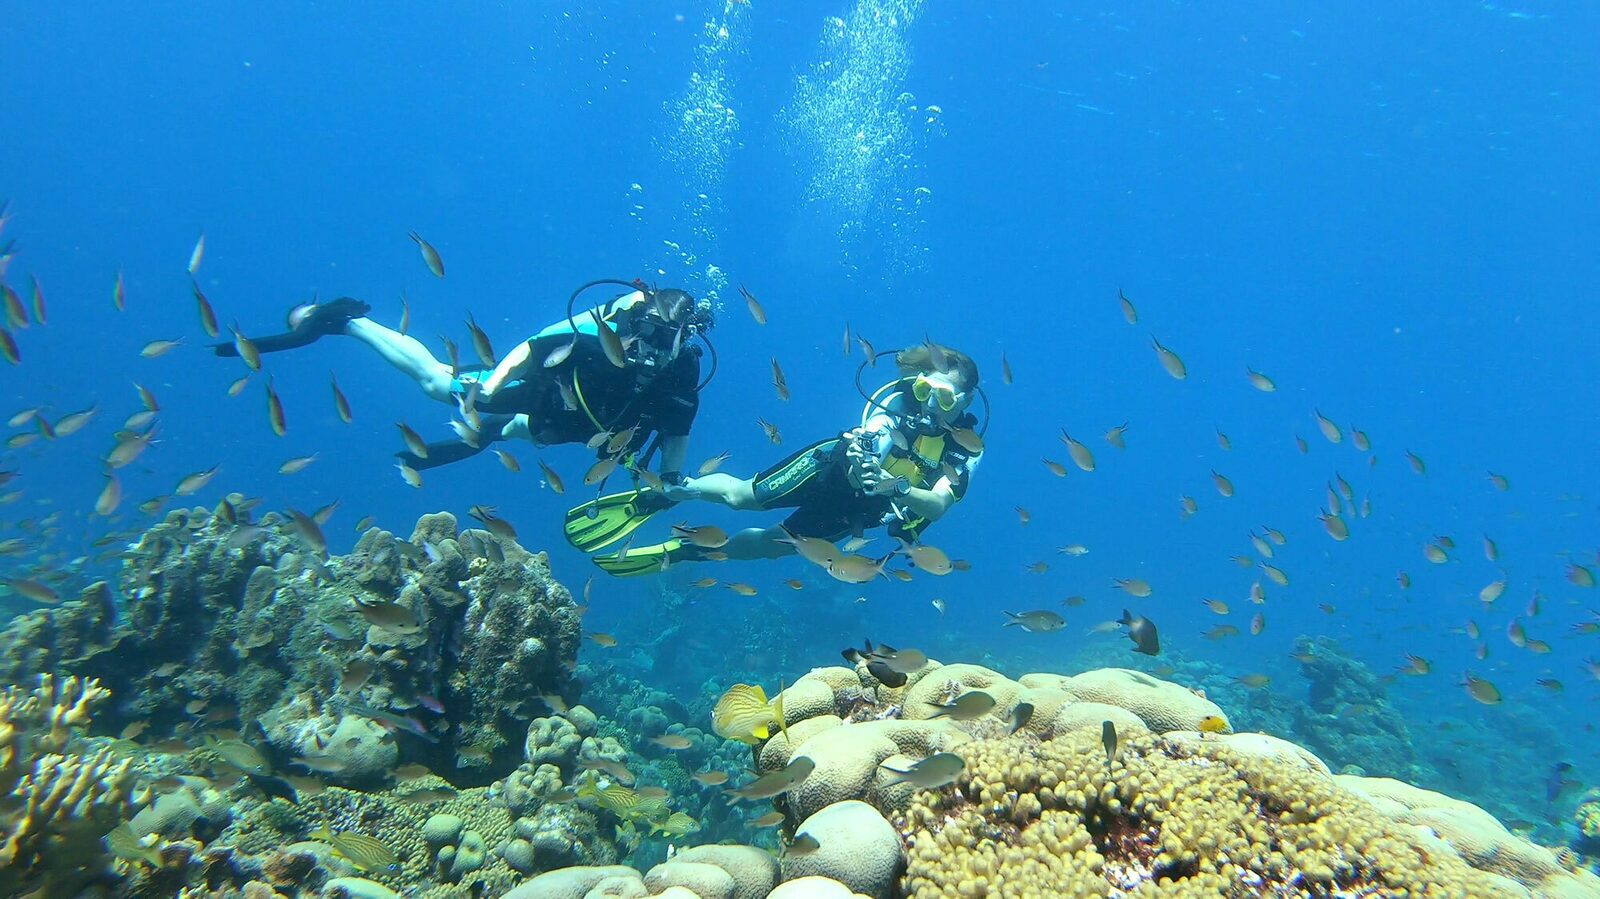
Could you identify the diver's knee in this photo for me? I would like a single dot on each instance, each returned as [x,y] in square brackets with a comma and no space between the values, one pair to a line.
[742,496]
[438,385]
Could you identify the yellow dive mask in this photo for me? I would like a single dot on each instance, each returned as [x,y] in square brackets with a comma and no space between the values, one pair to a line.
[943,392]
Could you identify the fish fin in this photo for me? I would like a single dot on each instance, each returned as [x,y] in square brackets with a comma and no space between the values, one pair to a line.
[777,708]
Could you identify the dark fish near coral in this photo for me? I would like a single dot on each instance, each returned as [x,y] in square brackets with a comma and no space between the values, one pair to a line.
[428,796]
[34,590]
[1021,715]
[804,844]
[392,617]
[410,772]
[966,707]
[355,675]
[309,531]
[903,661]
[493,523]
[1038,621]
[393,722]
[933,772]
[770,785]
[1108,739]
[616,769]
[274,787]
[885,674]
[1557,782]
[321,764]
[240,754]
[1142,631]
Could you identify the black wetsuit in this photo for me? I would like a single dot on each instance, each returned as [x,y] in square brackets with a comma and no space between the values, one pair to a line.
[815,483]
[614,398]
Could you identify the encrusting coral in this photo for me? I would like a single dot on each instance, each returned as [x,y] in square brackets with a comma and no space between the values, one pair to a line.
[61,801]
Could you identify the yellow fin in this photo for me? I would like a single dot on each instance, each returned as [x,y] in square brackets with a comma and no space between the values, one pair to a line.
[777,709]
[741,713]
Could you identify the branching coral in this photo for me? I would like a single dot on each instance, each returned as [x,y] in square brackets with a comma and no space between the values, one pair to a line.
[61,802]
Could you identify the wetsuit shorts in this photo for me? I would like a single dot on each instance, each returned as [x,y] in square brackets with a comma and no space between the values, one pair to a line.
[514,398]
[813,483]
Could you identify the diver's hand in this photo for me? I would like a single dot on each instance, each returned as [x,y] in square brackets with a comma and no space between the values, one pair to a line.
[866,473]
[682,492]
[856,470]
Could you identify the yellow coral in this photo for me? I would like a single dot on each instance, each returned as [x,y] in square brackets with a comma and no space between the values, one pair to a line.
[1167,818]
[61,802]
[1587,818]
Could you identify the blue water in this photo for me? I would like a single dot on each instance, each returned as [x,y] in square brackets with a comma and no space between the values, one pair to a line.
[1391,213]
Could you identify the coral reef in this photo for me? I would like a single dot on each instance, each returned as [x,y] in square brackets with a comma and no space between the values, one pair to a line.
[434,649]
[1349,719]
[244,655]
[62,795]
[1046,807]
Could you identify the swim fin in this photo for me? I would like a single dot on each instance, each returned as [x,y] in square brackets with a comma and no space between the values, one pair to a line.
[602,522]
[312,322]
[446,451]
[645,560]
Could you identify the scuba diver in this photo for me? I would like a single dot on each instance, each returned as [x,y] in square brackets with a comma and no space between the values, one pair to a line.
[909,461]
[569,383]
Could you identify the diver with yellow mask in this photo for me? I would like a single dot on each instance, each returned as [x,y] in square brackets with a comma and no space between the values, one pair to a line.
[908,462]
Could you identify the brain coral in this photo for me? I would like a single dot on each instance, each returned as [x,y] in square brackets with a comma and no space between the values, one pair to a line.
[856,847]
[1167,817]
[1162,705]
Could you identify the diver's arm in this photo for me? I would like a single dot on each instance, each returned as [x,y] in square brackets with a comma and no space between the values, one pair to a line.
[929,504]
[510,368]
[674,450]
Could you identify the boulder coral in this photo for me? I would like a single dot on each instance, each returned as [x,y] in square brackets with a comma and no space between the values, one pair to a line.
[1041,808]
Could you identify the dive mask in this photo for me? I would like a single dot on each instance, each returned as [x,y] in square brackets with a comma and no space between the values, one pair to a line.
[943,392]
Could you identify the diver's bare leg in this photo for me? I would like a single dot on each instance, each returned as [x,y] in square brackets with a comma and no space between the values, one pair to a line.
[725,489]
[517,428]
[407,354]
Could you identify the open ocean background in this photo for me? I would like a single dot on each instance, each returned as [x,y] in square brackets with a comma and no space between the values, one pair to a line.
[1390,210]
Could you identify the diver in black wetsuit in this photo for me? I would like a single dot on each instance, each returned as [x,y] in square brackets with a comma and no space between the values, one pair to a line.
[559,386]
